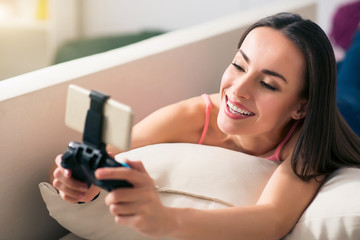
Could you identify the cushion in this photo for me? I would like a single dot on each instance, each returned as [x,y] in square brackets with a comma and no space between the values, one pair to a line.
[207,177]
[335,211]
[83,47]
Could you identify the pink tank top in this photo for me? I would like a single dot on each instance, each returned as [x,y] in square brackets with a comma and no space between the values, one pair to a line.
[274,157]
[207,117]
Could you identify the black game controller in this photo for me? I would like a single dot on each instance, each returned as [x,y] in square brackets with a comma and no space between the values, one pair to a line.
[84,158]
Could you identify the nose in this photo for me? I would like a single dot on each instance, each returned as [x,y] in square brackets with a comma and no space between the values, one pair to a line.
[242,87]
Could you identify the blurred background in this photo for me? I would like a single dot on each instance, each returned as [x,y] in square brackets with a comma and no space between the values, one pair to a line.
[39,33]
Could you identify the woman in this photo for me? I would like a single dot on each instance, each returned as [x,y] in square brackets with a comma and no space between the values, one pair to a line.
[276,101]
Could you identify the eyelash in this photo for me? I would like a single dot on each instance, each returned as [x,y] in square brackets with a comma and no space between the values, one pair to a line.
[268,86]
[264,84]
[237,67]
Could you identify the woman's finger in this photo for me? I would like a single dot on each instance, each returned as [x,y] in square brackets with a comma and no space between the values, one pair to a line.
[125,209]
[68,198]
[132,175]
[71,196]
[122,195]
[137,165]
[64,176]
[58,160]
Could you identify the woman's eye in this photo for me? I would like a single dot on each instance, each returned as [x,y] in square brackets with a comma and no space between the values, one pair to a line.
[237,67]
[268,86]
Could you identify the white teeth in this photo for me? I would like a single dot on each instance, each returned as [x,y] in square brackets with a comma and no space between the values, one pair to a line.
[237,110]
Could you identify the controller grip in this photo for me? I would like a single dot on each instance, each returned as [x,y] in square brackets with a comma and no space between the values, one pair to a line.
[109,185]
[83,161]
[69,161]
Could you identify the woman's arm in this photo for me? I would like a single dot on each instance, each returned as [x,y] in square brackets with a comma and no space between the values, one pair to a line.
[281,204]
[179,122]
[164,125]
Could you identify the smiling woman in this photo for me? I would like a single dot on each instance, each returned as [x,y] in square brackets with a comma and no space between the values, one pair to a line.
[267,85]
[276,101]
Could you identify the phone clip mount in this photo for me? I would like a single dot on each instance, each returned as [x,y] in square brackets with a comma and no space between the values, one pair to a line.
[84,158]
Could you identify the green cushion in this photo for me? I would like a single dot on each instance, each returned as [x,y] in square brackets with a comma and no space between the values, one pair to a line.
[88,46]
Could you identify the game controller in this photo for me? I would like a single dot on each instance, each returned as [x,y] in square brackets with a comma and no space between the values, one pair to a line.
[84,158]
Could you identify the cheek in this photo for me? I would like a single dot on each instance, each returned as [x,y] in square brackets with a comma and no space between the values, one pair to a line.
[274,108]
[268,104]
[226,79]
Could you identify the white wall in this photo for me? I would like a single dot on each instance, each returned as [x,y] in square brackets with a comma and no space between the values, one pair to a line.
[24,49]
[111,16]
[116,16]
[326,9]
[28,43]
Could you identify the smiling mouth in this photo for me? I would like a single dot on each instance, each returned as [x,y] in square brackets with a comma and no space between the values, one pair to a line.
[238,111]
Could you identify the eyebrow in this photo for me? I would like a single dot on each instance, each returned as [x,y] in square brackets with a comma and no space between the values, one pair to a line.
[265,71]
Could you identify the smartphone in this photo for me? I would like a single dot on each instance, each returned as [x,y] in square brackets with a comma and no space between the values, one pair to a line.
[118,117]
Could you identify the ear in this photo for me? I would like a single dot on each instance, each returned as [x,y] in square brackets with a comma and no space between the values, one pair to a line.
[301,110]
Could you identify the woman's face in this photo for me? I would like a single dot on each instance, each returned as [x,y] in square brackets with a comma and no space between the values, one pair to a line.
[260,90]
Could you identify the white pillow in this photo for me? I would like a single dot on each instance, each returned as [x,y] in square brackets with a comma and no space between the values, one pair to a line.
[335,211]
[199,176]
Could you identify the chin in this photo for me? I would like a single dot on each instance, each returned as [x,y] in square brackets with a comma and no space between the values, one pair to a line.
[226,127]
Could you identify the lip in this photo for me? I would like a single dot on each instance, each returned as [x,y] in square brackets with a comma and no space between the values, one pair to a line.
[233,115]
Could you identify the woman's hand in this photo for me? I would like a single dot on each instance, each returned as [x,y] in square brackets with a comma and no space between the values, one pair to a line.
[138,207]
[71,189]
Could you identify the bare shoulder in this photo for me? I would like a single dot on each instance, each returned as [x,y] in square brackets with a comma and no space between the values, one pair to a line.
[191,109]
[178,122]
[215,99]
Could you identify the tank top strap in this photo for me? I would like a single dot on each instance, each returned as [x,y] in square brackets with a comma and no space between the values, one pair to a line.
[207,117]
[276,155]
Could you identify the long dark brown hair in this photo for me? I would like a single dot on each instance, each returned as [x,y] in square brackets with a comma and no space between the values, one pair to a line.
[326,142]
